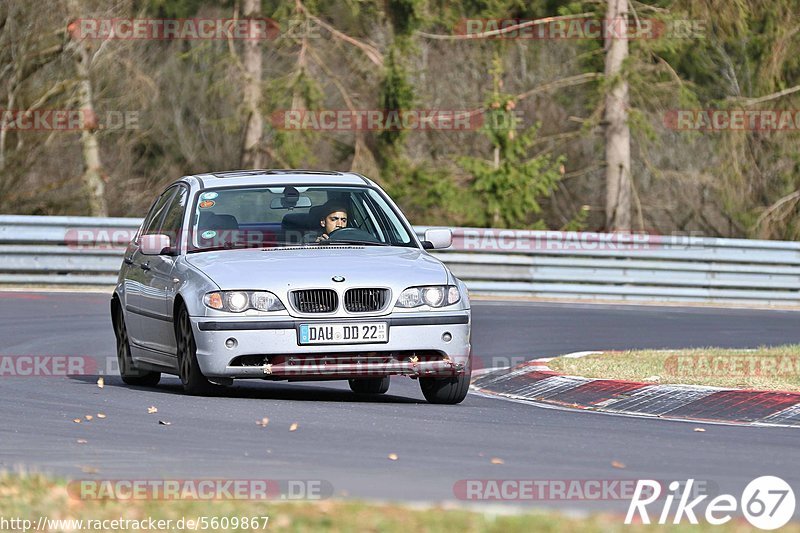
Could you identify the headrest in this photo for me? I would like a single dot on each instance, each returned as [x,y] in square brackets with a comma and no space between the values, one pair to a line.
[209,220]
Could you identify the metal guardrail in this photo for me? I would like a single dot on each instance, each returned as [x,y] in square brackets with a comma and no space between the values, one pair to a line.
[548,264]
[63,250]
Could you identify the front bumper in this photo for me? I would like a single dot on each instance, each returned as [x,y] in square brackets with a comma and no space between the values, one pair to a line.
[270,349]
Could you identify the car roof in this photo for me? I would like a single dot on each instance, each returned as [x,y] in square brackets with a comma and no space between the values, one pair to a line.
[279,177]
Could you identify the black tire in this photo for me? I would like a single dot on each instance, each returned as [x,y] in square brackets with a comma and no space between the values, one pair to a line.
[450,390]
[127,369]
[369,386]
[192,378]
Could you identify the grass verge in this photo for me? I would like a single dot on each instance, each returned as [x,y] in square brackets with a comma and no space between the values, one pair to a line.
[776,368]
[28,497]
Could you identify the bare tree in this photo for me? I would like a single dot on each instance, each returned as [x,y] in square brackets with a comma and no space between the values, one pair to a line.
[252,156]
[618,135]
[93,176]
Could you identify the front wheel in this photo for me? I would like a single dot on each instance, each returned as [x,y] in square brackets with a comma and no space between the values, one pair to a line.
[369,386]
[451,390]
[127,370]
[192,378]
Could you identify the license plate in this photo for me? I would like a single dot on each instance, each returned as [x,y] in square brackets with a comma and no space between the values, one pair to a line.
[363,332]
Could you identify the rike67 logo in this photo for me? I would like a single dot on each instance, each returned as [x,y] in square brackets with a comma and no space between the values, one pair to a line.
[767,503]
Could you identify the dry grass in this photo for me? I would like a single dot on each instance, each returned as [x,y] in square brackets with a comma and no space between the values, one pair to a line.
[32,496]
[775,368]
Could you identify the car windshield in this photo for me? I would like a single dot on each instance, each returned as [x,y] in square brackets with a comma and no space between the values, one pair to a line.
[281,216]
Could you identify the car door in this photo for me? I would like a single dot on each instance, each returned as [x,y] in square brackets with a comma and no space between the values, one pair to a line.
[136,276]
[158,283]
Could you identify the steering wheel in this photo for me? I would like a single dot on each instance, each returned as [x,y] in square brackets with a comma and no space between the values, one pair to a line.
[351,234]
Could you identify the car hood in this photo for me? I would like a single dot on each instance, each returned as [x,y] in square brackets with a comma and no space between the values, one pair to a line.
[287,268]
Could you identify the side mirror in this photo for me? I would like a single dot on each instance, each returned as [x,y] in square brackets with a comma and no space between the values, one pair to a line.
[156,244]
[437,239]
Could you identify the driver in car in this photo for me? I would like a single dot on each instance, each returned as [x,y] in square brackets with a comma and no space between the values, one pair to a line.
[334,216]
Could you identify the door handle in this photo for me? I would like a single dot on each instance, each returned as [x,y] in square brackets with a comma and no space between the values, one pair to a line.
[145,266]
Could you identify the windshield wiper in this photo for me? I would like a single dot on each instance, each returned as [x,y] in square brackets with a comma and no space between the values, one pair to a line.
[328,242]
[230,246]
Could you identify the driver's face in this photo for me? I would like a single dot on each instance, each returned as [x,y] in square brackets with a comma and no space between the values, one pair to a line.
[334,221]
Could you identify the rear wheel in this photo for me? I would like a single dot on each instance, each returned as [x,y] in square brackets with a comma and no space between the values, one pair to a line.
[369,386]
[127,370]
[451,390]
[192,378]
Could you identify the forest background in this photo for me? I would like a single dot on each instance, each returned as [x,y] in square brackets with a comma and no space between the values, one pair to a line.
[631,130]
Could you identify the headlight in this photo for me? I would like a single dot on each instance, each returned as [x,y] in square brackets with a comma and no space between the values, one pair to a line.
[265,301]
[237,301]
[240,301]
[432,296]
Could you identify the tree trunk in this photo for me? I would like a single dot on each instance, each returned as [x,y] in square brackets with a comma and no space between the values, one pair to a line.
[93,180]
[254,127]
[618,135]
[12,98]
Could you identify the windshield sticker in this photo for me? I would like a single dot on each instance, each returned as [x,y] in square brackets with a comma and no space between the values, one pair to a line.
[208,234]
[205,204]
[208,195]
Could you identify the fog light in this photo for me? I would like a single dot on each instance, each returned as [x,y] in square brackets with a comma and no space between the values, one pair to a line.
[231,343]
[446,337]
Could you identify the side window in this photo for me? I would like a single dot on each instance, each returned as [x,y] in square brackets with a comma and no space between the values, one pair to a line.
[174,215]
[152,223]
[388,220]
[366,219]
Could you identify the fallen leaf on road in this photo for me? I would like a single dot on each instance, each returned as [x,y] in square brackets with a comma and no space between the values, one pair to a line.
[617,464]
[393,457]
[101,415]
[82,441]
[76,420]
[293,427]
[152,409]
[497,461]
[101,382]
[164,423]
[89,470]
[700,430]
[263,422]
[88,417]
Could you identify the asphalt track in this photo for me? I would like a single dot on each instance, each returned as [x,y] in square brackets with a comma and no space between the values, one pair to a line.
[345,440]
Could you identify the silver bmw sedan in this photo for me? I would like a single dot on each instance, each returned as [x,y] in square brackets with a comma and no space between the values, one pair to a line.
[288,275]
